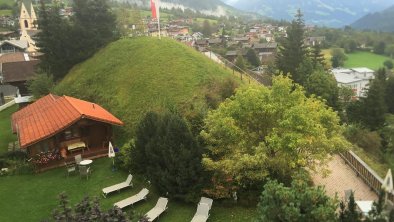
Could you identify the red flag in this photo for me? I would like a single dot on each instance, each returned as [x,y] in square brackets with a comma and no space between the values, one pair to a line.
[153,8]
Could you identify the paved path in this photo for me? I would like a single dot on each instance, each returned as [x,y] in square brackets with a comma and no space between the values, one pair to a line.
[342,178]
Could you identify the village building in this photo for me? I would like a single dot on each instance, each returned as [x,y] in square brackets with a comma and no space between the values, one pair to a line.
[356,78]
[59,127]
[28,25]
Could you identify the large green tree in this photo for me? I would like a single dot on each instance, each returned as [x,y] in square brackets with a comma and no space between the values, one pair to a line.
[94,26]
[317,57]
[53,41]
[252,57]
[168,154]
[324,85]
[292,50]
[66,42]
[297,203]
[261,131]
[371,109]
[338,57]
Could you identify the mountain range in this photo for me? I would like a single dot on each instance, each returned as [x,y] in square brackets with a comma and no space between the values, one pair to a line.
[208,7]
[332,13]
[379,21]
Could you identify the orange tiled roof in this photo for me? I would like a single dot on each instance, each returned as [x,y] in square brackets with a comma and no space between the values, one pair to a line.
[52,114]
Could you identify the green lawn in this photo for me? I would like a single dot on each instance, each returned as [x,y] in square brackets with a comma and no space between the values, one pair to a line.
[6,135]
[365,59]
[36,196]
[5,12]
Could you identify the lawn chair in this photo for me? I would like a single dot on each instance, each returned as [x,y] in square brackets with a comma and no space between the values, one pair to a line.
[119,186]
[78,159]
[155,212]
[70,168]
[84,171]
[202,213]
[133,199]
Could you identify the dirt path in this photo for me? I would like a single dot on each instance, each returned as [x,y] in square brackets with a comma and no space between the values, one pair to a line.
[342,178]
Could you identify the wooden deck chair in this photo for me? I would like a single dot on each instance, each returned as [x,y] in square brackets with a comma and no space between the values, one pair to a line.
[160,207]
[133,199]
[119,186]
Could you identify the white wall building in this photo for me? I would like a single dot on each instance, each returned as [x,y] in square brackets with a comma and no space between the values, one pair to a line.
[356,78]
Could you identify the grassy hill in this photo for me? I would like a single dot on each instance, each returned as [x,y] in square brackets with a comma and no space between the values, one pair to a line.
[132,76]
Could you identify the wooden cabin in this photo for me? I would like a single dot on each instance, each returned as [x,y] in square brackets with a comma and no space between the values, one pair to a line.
[54,129]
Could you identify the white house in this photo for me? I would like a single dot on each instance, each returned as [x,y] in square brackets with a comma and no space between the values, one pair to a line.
[356,78]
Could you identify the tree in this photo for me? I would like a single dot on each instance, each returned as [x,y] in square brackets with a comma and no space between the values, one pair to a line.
[349,213]
[253,58]
[86,210]
[325,86]
[376,213]
[292,50]
[169,155]
[240,63]
[53,42]
[94,26]
[261,131]
[388,64]
[206,28]
[41,85]
[65,43]
[379,47]
[298,203]
[338,57]
[389,99]
[370,110]
[317,57]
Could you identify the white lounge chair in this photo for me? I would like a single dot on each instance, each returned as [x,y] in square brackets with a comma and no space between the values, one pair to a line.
[205,200]
[202,213]
[119,186]
[160,207]
[133,199]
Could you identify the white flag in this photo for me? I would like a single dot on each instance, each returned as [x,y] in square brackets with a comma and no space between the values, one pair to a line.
[111,152]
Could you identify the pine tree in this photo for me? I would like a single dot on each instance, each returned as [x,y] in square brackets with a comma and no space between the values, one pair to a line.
[94,26]
[53,41]
[292,50]
[317,57]
[170,155]
[240,63]
[253,58]
[349,213]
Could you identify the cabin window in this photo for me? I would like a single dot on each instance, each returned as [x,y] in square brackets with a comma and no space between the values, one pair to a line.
[26,24]
[71,133]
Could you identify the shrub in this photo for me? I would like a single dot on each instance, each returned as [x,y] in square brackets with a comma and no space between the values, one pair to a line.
[370,141]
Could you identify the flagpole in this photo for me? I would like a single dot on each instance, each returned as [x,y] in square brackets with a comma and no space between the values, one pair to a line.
[158,17]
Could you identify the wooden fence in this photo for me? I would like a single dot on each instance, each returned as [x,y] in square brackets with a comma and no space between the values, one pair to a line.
[368,175]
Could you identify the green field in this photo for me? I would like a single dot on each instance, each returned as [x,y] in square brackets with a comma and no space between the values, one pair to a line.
[6,135]
[133,76]
[36,196]
[365,59]
[7,2]
[5,12]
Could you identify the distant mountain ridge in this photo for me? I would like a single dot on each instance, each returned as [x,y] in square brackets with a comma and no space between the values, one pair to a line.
[208,7]
[333,13]
[379,21]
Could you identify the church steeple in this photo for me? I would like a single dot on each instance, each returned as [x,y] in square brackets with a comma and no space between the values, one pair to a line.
[28,18]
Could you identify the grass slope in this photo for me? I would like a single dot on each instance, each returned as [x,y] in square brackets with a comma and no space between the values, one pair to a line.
[6,135]
[36,196]
[132,76]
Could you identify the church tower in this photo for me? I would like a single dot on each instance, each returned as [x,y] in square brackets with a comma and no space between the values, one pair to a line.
[28,25]
[28,18]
